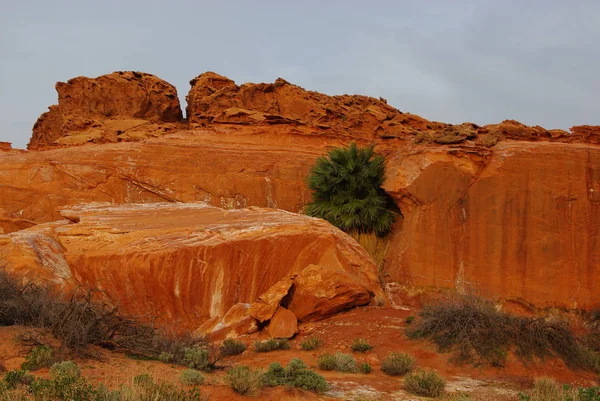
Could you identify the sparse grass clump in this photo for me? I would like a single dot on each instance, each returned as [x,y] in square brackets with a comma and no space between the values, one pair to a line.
[191,377]
[244,380]
[41,356]
[398,363]
[339,362]
[547,389]
[271,344]
[66,384]
[364,367]
[295,375]
[232,347]
[425,382]
[361,345]
[66,369]
[311,343]
[477,332]
[197,358]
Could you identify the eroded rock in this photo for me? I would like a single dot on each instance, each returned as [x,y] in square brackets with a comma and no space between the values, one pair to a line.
[184,264]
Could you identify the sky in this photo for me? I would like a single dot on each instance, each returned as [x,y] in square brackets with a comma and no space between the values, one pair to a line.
[447,60]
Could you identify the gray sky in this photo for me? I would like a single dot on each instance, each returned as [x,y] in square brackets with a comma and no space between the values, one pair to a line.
[482,61]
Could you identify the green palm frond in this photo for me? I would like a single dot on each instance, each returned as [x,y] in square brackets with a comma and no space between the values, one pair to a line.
[347,191]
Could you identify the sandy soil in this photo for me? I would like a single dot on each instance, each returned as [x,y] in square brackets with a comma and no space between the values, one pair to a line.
[382,327]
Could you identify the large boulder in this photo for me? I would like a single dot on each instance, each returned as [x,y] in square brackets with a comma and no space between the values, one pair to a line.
[124,105]
[185,264]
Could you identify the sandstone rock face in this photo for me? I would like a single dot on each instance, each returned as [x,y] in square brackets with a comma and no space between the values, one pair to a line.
[185,263]
[228,169]
[519,222]
[118,106]
[237,321]
[215,99]
[284,324]
[505,209]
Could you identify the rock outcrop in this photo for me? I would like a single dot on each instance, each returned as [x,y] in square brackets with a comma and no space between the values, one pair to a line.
[185,264]
[507,210]
[119,106]
[521,221]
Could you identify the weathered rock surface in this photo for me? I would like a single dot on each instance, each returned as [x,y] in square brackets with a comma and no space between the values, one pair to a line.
[283,324]
[185,263]
[228,169]
[506,209]
[119,106]
[521,221]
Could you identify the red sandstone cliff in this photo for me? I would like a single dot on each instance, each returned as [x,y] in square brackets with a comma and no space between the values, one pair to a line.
[508,210]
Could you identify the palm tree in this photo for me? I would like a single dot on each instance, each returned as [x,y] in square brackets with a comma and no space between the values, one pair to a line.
[347,191]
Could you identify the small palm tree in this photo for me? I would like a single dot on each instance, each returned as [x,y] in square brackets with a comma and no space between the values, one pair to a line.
[347,191]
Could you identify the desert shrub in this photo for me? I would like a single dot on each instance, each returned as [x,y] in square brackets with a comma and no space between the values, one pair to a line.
[361,345]
[39,357]
[311,343]
[271,344]
[476,332]
[197,358]
[347,191]
[166,357]
[410,319]
[296,375]
[364,367]
[244,380]
[338,361]
[326,362]
[14,378]
[191,377]
[398,363]
[232,347]
[424,382]
[65,368]
[79,320]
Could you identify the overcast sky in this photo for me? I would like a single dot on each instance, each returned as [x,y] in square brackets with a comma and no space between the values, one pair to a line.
[482,61]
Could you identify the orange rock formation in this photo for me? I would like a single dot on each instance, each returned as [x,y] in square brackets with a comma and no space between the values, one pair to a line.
[508,210]
[187,263]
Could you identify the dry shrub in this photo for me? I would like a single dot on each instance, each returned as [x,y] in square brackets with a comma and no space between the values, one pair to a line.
[425,382]
[80,320]
[478,333]
[244,380]
[375,246]
[398,363]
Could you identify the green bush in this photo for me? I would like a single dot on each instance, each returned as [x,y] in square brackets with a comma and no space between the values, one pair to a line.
[361,345]
[364,367]
[39,357]
[424,382]
[410,319]
[296,375]
[338,361]
[271,344]
[311,343]
[14,378]
[398,363]
[232,347]
[197,358]
[326,362]
[191,377]
[166,357]
[244,380]
[347,191]
[65,369]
